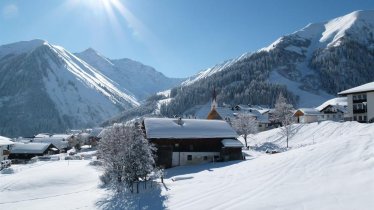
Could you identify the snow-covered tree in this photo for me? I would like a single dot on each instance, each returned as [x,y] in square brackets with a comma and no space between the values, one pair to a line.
[127,156]
[283,113]
[245,124]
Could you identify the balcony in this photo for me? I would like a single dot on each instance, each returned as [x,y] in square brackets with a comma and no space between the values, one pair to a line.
[359,100]
[330,112]
[358,111]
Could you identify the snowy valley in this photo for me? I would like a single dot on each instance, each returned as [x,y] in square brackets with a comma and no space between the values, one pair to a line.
[287,127]
[329,166]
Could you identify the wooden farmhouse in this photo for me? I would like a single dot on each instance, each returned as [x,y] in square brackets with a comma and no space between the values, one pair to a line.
[22,151]
[192,141]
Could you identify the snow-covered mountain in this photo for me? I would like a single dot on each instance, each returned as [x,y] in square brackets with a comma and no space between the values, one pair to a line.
[309,66]
[215,69]
[125,74]
[43,87]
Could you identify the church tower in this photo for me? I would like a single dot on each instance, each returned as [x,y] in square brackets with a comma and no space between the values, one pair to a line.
[213,114]
[214,100]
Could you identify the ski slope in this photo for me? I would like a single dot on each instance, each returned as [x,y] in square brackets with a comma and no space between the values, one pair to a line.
[329,166]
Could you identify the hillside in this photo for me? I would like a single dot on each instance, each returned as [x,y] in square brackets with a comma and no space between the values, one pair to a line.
[45,88]
[308,66]
[329,166]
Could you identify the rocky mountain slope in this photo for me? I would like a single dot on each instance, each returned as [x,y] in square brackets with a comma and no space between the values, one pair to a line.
[44,88]
[125,74]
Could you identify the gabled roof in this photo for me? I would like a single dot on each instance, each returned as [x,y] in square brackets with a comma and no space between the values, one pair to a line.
[340,101]
[368,87]
[29,148]
[5,141]
[60,143]
[171,128]
[342,109]
[213,115]
[308,111]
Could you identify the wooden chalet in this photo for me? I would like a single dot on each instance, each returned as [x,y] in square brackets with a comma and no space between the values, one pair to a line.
[192,141]
[22,151]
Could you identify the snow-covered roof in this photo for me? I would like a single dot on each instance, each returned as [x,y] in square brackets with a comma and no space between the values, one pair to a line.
[60,143]
[5,141]
[32,148]
[170,128]
[232,143]
[229,112]
[95,131]
[309,111]
[42,135]
[63,136]
[359,89]
[340,101]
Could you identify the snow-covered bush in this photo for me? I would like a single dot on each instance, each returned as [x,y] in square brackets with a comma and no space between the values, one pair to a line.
[126,155]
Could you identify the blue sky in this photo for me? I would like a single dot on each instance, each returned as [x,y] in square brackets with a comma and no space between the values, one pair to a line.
[177,37]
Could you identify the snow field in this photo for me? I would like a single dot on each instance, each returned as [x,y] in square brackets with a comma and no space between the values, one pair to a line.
[329,166]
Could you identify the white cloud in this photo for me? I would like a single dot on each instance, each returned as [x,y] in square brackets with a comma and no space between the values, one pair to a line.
[10,11]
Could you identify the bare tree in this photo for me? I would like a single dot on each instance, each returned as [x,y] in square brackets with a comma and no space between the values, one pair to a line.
[283,113]
[127,156]
[245,124]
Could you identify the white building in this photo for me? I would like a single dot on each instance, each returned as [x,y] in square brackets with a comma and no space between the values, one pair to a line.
[333,109]
[5,146]
[360,103]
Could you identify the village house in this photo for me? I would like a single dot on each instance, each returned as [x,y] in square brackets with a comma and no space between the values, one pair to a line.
[333,109]
[26,151]
[229,113]
[360,103]
[307,115]
[191,141]
[5,146]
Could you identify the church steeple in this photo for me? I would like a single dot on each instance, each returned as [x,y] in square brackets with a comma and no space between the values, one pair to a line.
[213,114]
[214,100]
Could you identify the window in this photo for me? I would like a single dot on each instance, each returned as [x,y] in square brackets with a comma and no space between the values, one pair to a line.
[205,158]
[333,116]
[189,157]
[354,97]
[354,118]
[359,118]
[260,125]
[365,118]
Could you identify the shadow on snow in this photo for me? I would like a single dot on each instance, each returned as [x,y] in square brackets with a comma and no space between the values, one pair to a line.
[149,198]
[183,170]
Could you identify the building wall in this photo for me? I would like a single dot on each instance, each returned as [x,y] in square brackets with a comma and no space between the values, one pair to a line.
[370,105]
[2,149]
[181,158]
[2,157]
[308,118]
[349,114]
